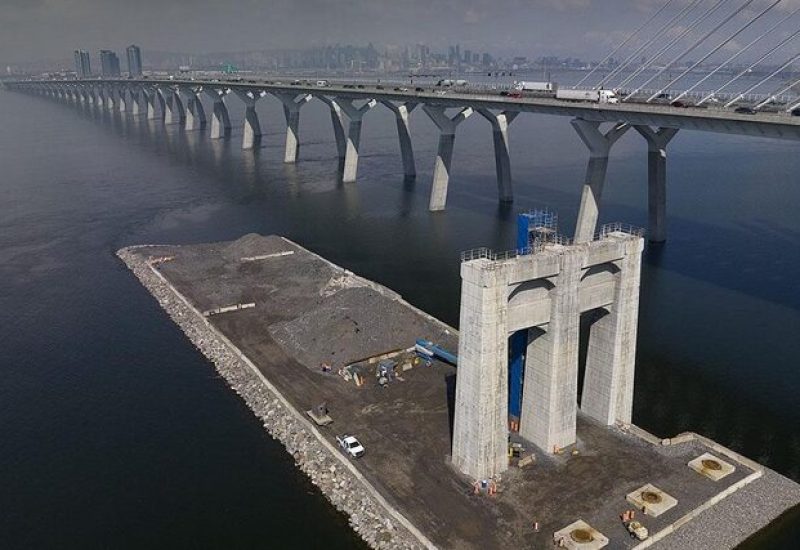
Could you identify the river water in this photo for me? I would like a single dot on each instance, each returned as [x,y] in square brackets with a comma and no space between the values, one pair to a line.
[116,432]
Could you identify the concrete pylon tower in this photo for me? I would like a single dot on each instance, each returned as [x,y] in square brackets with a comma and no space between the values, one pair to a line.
[544,292]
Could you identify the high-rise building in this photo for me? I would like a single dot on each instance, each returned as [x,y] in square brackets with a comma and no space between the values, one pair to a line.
[109,63]
[134,60]
[83,67]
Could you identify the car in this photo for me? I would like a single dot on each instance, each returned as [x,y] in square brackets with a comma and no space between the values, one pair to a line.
[745,110]
[796,112]
[351,446]
[418,89]
[348,86]
[679,104]
[441,92]
[504,93]
[401,89]
[515,94]
[379,87]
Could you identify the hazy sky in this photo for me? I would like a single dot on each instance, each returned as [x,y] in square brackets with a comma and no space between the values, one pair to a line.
[51,29]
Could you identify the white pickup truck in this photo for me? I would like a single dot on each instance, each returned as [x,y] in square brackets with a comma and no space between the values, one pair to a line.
[350,445]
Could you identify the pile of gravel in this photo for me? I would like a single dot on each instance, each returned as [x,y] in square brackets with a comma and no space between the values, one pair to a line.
[352,324]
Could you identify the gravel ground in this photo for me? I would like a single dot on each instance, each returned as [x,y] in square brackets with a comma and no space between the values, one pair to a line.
[349,494]
[335,330]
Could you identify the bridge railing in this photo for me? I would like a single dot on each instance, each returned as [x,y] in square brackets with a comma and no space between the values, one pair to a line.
[484,253]
[536,247]
[618,227]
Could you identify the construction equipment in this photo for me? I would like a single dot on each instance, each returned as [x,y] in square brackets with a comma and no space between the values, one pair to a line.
[636,529]
[427,350]
[319,414]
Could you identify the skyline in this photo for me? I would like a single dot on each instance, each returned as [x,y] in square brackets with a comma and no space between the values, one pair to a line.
[506,27]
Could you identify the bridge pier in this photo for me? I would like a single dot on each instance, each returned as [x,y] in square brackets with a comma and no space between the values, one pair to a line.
[549,403]
[401,113]
[195,113]
[337,120]
[220,120]
[355,116]
[657,141]
[110,100]
[150,96]
[291,111]
[502,160]
[174,112]
[611,357]
[599,145]
[122,102]
[444,156]
[252,127]
[136,101]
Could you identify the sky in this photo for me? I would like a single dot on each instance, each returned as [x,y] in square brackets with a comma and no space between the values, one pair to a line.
[33,30]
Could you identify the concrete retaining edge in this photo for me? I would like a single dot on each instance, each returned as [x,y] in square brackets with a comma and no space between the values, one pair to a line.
[406,536]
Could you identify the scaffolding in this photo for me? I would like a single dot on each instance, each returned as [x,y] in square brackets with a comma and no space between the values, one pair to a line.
[537,229]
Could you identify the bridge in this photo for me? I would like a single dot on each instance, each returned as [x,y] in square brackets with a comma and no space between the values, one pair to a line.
[599,125]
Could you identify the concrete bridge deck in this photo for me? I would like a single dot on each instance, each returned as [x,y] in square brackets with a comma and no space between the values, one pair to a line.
[181,102]
[780,125]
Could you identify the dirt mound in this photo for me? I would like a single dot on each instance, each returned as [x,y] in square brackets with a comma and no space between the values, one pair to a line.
[352,324]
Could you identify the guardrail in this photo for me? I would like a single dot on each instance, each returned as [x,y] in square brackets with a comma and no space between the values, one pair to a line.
[618,227]
[484,253]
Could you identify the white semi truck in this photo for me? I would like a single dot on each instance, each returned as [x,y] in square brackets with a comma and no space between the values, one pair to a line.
[594,96]
[526,86]
[449,82]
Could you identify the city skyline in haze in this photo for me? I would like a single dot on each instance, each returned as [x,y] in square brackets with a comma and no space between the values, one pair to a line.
[34,30]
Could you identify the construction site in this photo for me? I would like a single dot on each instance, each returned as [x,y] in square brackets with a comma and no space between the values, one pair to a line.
[495,436]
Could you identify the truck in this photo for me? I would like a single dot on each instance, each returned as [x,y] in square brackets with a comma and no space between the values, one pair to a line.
[350,445]
[594,96]
[447,82]
[526,86]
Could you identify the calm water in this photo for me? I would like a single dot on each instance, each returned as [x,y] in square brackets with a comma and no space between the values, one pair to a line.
[117,433]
